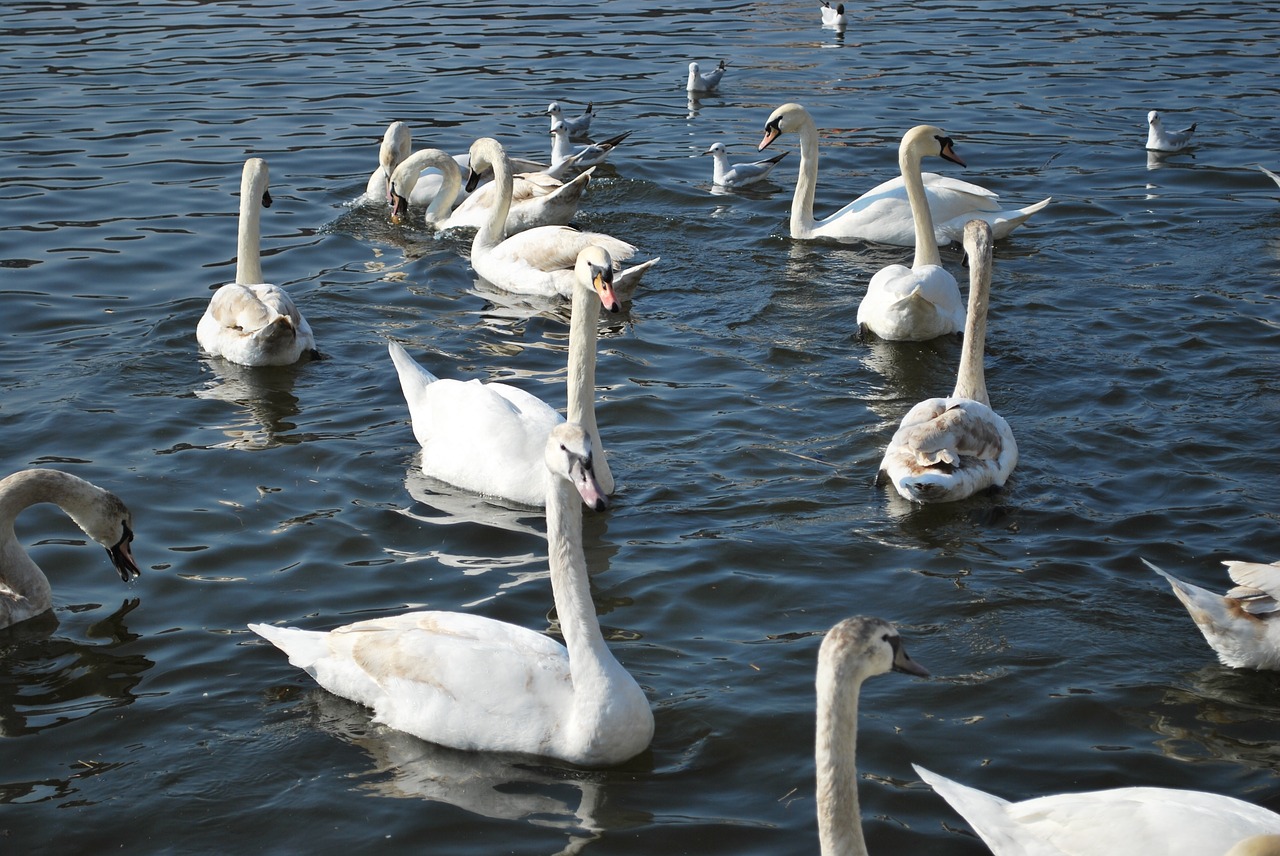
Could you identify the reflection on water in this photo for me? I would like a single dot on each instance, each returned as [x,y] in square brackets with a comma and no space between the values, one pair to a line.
[1224,715]
[493,785]
[263,394]
[47,681]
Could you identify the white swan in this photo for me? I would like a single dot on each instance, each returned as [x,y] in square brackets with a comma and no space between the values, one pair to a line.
[1243,625]
[1117,822]
[708,82]
[537,199]
[540,260]
[565,156]
[577,125]
[248,321]
[911,304]
[739,174]
[950,448]
[1160,140]
[24,589]
[484,437]
[854,650]
[477,684]
[883,214]
[833,17]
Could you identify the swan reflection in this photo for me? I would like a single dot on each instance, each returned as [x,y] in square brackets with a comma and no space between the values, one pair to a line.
[266,401]
[493,785]
[47,680]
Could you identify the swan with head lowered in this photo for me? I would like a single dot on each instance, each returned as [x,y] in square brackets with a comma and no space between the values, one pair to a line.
[537,199]
[1135,821]
[854,650]
[1243,625]
[24,589]
[912,304]
[883,214]
[251,322]
[540,260]
[950,448]
[484,437]
[477,684]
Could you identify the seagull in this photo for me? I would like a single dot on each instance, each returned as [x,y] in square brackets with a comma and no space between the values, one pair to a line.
[739,174]
[834,17]
[1160,140]
[578,125]
[563,155]
[708,82]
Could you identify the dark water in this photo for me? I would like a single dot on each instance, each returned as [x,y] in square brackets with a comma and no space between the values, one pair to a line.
[1133,342]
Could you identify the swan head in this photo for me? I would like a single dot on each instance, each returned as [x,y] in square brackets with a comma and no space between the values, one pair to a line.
[927,140]
[254,179]
[404,179]
[858,648]
[106,519]
[568,456]
[594,270]
[788,117]
[484,155]
[397,143]
[977,243]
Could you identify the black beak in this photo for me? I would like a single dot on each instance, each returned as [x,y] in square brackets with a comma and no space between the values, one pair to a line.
[122,556]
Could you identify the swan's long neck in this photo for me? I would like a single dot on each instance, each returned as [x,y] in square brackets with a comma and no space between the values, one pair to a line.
[926,244]
[971,381]
[249,242]
[584,324]
[450,184]
[806,181]
[835,753]
[493,231]
[591,663]
[24,589]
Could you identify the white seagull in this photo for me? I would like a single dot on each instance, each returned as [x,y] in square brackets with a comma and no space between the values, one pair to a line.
[1160,140]
[739,174]
[699,82]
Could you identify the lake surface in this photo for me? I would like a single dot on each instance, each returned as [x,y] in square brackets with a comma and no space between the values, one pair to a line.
[1133,344]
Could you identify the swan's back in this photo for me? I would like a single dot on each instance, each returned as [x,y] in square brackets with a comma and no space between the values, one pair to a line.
[483,437]
[1118,822]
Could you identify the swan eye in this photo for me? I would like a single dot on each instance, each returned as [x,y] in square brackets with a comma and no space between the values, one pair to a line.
[266,199]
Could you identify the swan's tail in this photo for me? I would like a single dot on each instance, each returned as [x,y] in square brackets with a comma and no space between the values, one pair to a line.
[984,812]
[1207,608]
[1002,222]
[414,379]
[304,647]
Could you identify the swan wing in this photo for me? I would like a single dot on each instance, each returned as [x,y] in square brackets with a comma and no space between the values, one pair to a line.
[1257,580]
[483,437]
[1119,822]
[455,679]
[912,304]
[1241,638]
[947,449]
[254,325]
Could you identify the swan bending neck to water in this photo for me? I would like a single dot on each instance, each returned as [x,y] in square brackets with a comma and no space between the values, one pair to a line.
[484,437]
[883,214]
[854,650]
[539,260]
[537,199]
[397,143]
[251,322]
[477,684]
[922,301]
[1116,822]
[950,448]
[24,589]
